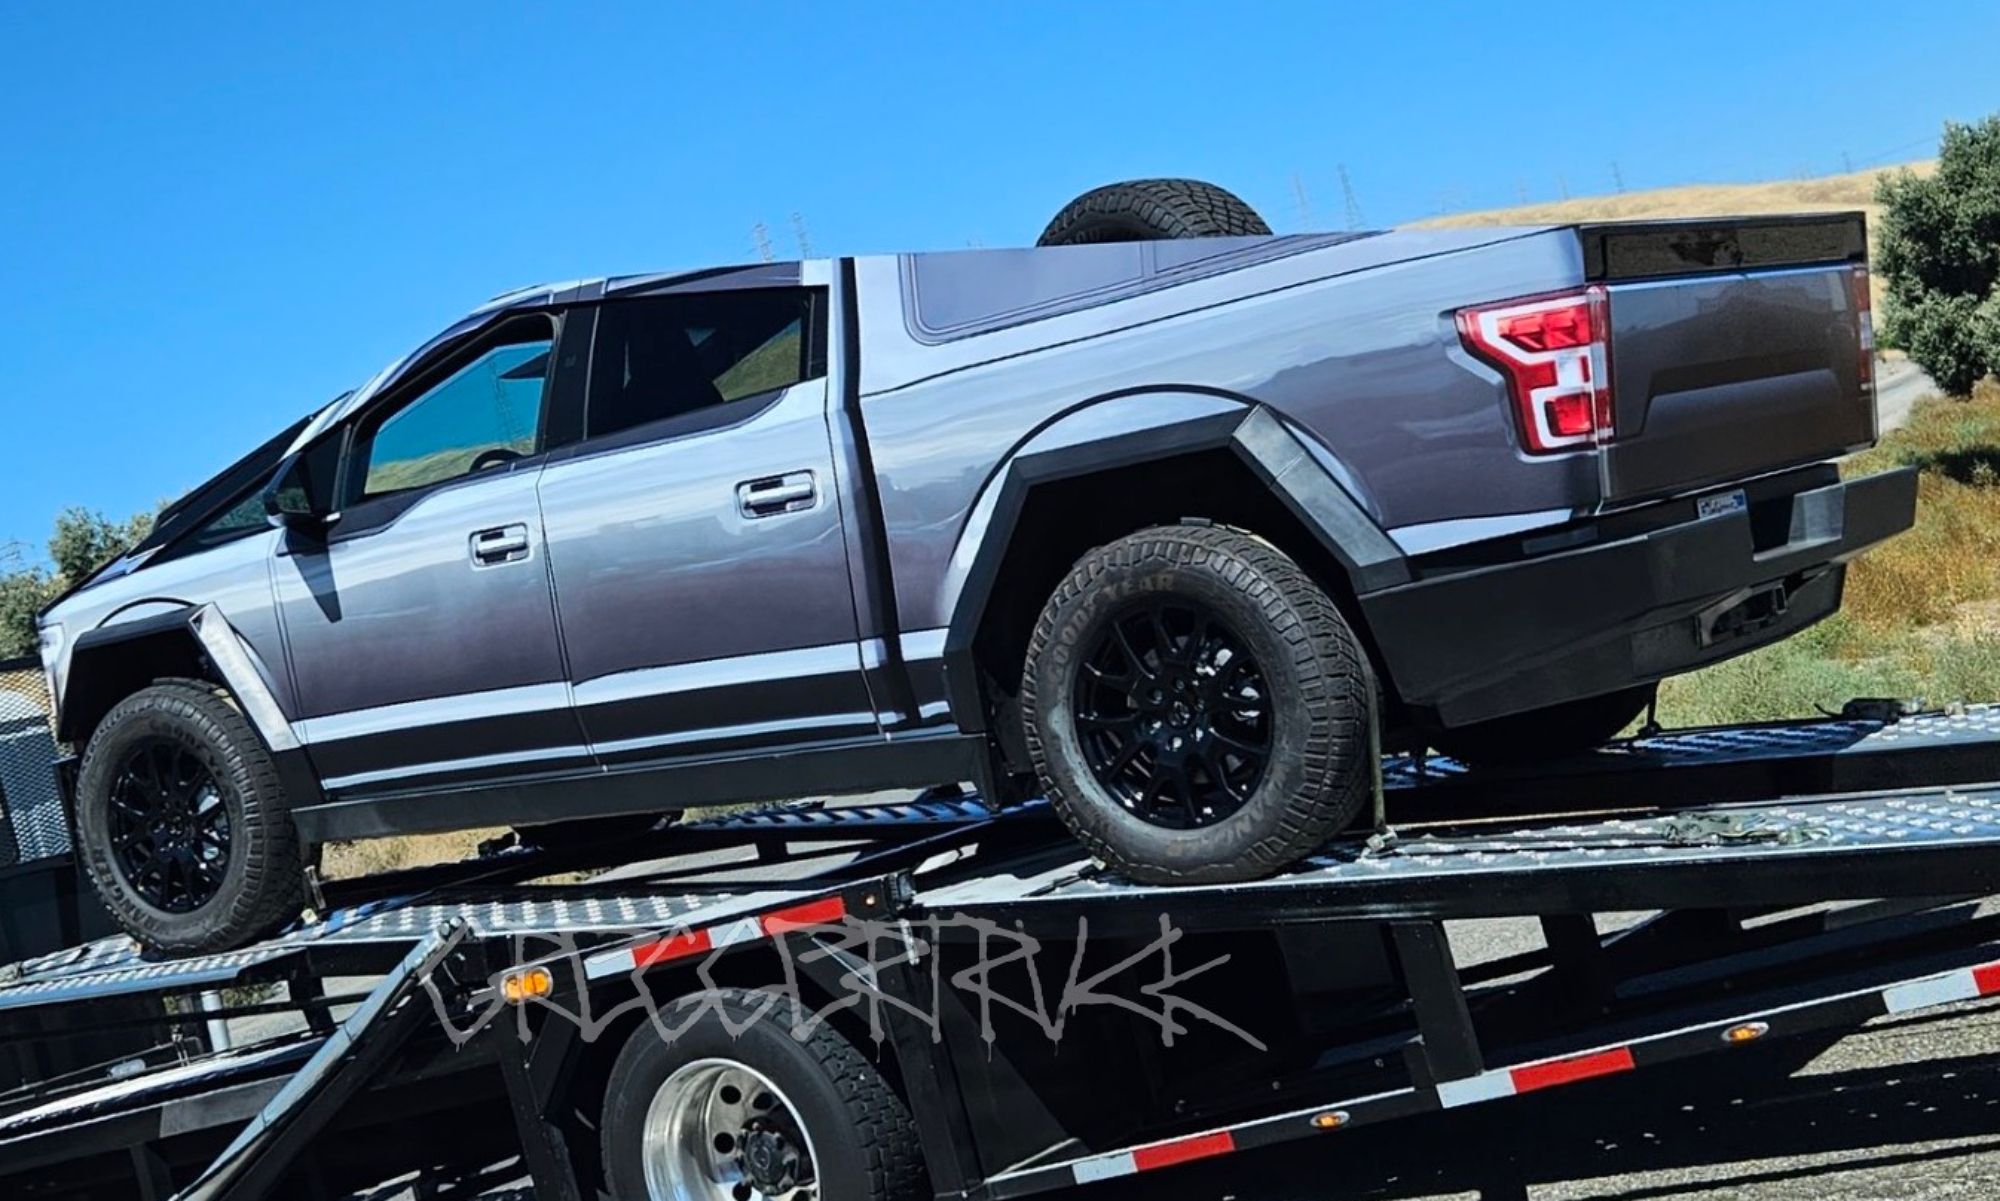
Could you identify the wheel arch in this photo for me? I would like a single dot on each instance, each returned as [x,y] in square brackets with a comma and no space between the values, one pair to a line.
[1119,464]
[185,641]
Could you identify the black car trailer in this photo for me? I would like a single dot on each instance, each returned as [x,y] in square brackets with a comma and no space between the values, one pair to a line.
[1046,1025]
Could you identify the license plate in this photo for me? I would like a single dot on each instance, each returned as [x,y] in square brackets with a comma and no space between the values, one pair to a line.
[1722,504]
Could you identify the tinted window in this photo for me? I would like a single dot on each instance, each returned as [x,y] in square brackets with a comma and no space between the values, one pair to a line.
[663,356]
[485,413]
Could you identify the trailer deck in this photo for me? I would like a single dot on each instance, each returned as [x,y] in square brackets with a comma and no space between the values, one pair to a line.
[1803,876]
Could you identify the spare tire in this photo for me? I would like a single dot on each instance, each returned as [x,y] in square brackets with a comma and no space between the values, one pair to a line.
[1145,210]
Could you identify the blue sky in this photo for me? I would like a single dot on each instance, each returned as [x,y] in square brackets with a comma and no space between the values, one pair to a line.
[213,218]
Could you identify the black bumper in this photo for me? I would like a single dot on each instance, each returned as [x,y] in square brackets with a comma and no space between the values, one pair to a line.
[1484,642]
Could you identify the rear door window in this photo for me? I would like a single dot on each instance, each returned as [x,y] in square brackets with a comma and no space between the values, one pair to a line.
[661,357]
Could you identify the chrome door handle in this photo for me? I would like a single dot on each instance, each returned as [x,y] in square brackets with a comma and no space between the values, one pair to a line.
[506,544]
[776,494]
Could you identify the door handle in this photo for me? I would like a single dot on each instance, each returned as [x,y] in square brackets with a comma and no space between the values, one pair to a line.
[776,494]
[506,544]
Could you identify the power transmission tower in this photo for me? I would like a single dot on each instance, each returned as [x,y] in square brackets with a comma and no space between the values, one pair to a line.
[761,238]
[1562,186]
[799,235]
[1354,218]
[1617,178]
[1304,202]
[1846,163]
[1520,190]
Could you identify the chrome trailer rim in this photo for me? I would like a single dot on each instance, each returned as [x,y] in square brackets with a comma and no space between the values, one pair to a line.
[719,1130]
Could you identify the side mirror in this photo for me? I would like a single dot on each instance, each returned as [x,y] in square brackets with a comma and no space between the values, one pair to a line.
[294,502]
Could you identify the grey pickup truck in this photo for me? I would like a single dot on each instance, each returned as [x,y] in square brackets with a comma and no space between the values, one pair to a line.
[1152,519]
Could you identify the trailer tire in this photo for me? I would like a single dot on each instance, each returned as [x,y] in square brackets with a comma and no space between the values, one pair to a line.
[1563,729]
[1238,628]
[222,787]
[857,1133]
[1145,210]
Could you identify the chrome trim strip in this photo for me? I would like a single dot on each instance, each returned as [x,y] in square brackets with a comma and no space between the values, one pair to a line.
[832,659]
[1436,535]
[744,730]
[224,647]
[464,706]
[924,644]
[361,779]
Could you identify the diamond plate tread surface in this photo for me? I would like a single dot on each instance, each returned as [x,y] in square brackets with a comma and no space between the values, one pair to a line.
[116,965]
[1804,829]
[1967,725]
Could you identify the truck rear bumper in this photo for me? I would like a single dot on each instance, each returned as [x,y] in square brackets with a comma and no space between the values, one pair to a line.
[1477,643]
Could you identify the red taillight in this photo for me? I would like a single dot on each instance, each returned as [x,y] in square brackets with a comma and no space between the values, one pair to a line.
[1554,351]
[1864,324]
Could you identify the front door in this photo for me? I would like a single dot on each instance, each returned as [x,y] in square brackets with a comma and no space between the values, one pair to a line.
[421,631]
[695,534]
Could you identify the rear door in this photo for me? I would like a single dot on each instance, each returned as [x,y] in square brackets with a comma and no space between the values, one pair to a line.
[695,537]
[1737,348]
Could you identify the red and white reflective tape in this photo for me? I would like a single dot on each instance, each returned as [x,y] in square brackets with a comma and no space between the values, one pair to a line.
[1153,1155]
[1547,1073]
[685,944]
[1965,984]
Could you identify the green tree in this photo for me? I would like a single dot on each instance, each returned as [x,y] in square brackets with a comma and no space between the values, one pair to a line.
[83,541]
[1940,256]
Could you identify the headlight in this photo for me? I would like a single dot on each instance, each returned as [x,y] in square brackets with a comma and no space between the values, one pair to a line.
[51,648]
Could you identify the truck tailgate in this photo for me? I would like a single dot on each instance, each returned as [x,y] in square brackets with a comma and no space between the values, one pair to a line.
[1741,348]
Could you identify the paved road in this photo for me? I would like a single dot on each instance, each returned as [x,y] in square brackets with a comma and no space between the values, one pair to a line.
[1899,383]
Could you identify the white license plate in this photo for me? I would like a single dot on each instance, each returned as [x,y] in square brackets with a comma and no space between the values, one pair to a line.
[1722,504]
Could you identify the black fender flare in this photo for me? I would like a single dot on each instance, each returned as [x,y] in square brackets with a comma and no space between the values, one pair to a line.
[1255,434]
[110,662]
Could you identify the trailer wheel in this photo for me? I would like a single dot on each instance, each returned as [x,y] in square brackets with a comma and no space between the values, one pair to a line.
[1145,210]
[1196,707]
[734,1106]
[1561,729]
[183,825]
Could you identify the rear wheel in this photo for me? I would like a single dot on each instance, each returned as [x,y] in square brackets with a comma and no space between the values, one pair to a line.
[182,823]
[734,1107]
[1563,729]
[1143,210]
[1196,707]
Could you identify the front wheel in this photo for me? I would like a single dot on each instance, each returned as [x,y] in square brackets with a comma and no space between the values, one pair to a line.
[1196,707]
[182,823]
[734,1106]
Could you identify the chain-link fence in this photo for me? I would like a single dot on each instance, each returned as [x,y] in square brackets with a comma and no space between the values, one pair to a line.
[32,825]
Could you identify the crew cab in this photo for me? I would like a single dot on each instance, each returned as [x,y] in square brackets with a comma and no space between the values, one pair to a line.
[1145,522]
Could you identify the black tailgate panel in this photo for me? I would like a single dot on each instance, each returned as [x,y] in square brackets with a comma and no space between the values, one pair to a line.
[1719,376]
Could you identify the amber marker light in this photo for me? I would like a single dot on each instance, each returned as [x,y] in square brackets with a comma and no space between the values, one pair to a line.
[528,984]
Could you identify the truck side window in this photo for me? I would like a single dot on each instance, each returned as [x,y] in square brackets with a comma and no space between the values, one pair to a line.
[661,356]
[484,413]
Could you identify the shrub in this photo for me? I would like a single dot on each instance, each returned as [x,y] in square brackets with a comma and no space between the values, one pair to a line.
[1940,258]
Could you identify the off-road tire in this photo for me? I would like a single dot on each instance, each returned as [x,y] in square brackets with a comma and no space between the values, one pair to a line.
[863,1139]
[263,885]
[1143,210]
[1317,778]
[1563,729]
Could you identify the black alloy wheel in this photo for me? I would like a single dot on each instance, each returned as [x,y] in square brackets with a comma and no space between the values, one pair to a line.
[169,826]
[1172,713]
